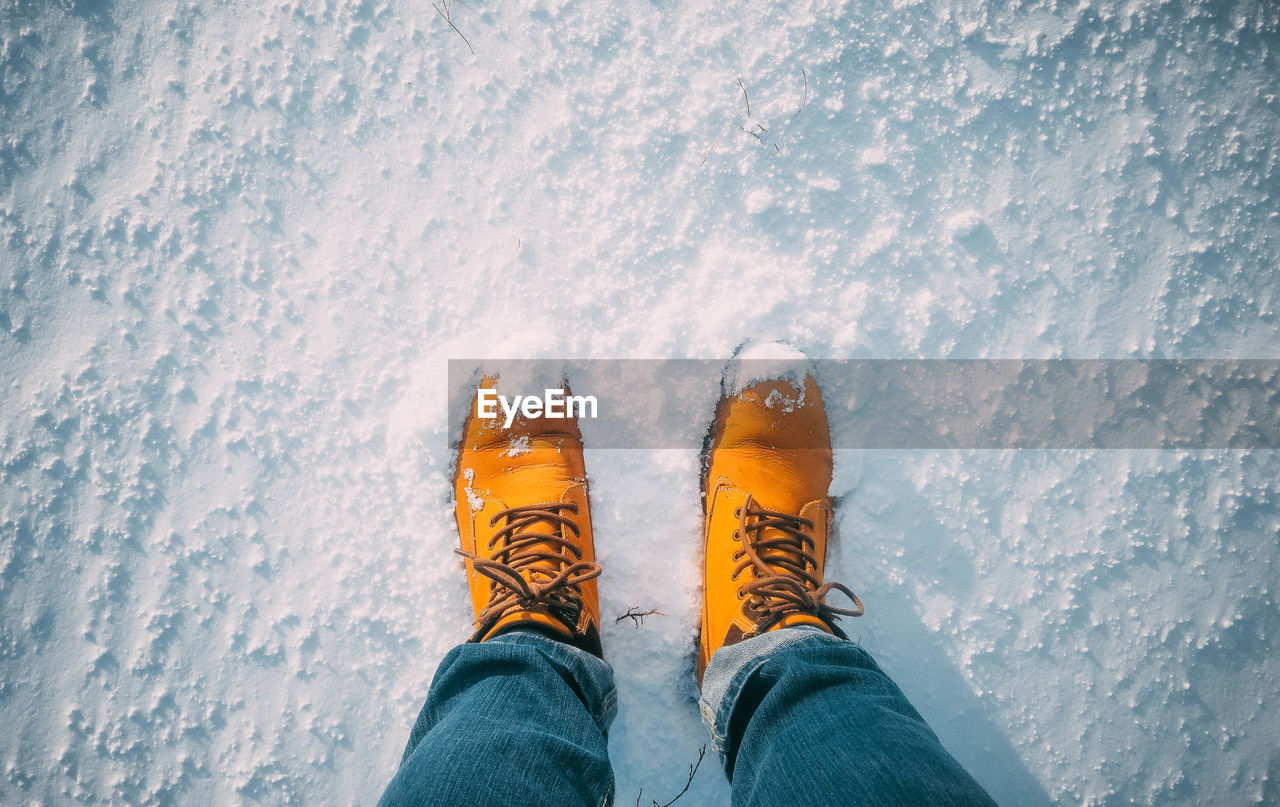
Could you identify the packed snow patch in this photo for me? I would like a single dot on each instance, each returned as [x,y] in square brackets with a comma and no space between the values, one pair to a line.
[760,361]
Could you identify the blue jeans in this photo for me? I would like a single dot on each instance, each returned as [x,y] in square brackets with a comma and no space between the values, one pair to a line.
[798,718]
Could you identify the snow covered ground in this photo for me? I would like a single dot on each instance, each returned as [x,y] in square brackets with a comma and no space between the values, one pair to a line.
[239,242]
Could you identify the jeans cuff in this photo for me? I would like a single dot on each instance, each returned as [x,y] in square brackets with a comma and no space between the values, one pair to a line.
[732,666]
[593,674]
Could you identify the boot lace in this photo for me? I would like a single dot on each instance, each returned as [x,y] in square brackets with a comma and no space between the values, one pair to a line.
[537,568]
[779,548]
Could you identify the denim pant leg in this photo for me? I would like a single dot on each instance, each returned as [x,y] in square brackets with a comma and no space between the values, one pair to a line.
[519,719]
[803,718]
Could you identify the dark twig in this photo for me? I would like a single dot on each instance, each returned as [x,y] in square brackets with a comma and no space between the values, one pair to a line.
[744,97]
[693,769]
[637,617]
[445,15]
[805,102]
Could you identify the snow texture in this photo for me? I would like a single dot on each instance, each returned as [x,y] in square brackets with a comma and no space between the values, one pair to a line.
[239,241]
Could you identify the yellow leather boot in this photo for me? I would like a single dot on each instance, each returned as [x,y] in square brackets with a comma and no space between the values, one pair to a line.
[523,515]
[767,516]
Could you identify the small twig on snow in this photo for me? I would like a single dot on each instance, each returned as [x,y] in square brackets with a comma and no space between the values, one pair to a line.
[637,617]
[744,96]
[805,102]
[446,15]
[693,769]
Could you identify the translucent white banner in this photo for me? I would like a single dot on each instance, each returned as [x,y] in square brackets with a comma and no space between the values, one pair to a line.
[912,404]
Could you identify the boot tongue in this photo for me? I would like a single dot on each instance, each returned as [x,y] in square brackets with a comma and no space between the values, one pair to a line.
[543,569]
[538,482]
[785,498]
[773,556]
[789,553]
[536,572]
[524,618]
[799,620]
